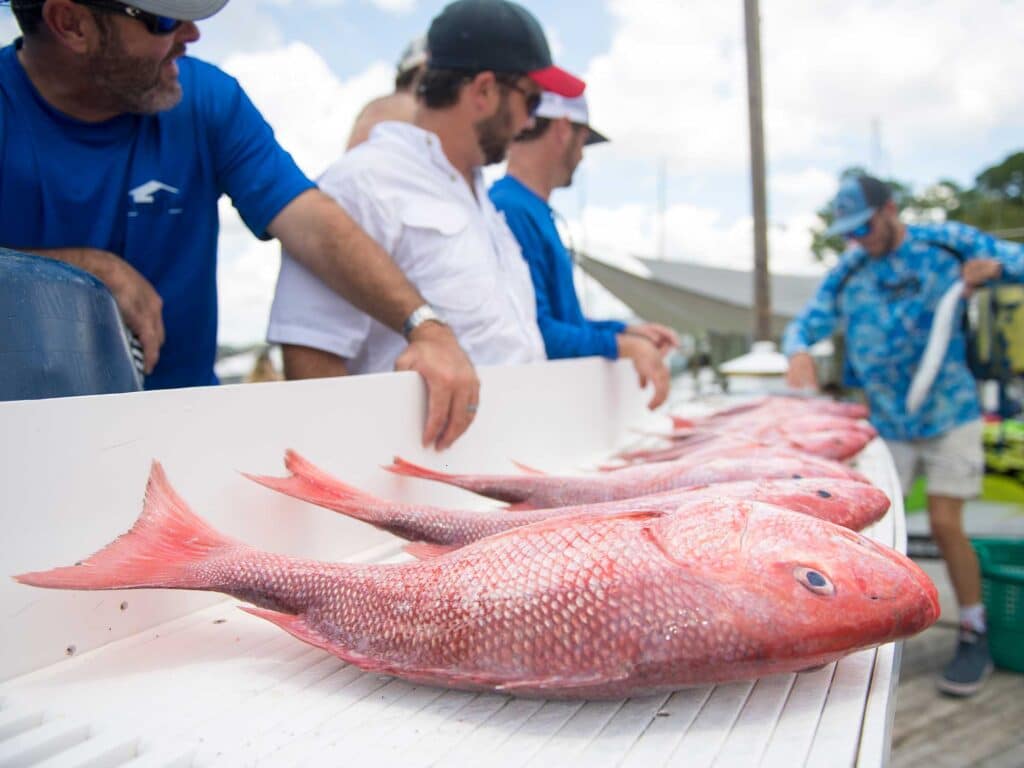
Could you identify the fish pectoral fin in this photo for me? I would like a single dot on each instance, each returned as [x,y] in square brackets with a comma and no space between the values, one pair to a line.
[424,550]
[528,469]
[560,521]
[293,624]
[564,682]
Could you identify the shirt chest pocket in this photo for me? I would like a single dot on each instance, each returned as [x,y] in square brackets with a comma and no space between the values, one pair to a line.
[448,259]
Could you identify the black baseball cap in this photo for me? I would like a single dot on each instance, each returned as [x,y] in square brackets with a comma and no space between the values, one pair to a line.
[497,36]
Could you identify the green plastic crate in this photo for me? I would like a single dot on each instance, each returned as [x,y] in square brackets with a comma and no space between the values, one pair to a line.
[1002,584]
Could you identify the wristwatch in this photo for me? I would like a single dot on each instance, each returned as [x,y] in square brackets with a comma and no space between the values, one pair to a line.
[419,316]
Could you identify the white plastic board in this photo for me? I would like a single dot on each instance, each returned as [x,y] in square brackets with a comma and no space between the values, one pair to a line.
[182,680]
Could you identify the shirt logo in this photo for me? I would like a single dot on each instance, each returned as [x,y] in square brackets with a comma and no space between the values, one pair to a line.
[144,192]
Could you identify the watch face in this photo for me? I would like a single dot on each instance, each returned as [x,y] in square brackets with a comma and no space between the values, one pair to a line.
[419,316]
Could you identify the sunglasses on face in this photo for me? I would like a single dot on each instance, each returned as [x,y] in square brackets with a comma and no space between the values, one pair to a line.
[532,98]
[156,25]
[860,232]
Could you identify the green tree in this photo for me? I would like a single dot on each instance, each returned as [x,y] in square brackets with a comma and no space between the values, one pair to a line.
[994,204]
[1004,181]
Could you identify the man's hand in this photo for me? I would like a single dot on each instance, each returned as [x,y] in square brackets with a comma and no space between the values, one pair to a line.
[663,338]
[140,305]
[977,272]
[453,389]
[648,363]
[802,374]
[321,236]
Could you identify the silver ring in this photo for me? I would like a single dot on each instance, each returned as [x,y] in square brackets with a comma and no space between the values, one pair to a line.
[471,407]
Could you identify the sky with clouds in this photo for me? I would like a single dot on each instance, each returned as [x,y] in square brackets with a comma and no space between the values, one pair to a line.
[914,89]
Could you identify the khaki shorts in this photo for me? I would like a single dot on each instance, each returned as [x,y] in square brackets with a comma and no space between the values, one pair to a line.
[953,463]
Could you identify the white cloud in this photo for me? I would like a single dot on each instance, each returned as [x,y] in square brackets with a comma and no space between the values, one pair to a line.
[311,111]
[802,191]
[692,233]
[395,6]
[674,80]
[8,27]
[246,276]
[554,41]
[239,28]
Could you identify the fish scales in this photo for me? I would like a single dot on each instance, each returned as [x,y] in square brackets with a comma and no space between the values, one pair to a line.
[845,502]
[579,607]
[536,491]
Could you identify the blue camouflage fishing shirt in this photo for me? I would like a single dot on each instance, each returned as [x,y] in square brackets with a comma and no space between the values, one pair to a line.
[885,306]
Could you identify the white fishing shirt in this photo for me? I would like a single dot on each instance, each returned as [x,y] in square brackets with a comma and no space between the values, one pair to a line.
[455,248]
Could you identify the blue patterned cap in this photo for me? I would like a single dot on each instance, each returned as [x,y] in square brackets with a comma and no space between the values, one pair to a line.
[856,202]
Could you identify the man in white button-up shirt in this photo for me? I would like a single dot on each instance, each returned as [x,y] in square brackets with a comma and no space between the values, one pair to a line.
[417,190]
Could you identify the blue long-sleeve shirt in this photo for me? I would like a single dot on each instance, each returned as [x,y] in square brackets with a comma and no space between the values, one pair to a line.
[885,308]
[566,332]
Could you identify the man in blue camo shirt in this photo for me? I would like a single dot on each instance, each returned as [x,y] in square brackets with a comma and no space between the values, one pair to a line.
[882,295]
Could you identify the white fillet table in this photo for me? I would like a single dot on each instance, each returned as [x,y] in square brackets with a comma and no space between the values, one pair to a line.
[156,678]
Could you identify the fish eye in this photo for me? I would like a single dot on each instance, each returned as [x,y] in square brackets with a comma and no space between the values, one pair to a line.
[798,477]
[824,494]
[815,581]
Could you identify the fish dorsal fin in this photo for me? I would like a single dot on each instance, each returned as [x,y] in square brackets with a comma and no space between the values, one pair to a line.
[527,469]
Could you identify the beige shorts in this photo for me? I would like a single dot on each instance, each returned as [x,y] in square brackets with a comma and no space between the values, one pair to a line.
[953,463]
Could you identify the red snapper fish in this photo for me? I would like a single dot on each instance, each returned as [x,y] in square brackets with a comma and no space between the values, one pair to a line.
[776,407]
[847,503]
[838,445]
[537,491]
[767,423]
[585,607]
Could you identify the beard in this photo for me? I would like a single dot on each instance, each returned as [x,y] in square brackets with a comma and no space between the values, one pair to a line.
[570,163]
[495,133]
[133,84]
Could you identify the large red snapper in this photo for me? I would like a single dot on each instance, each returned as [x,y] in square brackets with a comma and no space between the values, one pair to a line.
[537,491]
[844,502]
[768,422]
[579,607]
[838,445]
[778,407]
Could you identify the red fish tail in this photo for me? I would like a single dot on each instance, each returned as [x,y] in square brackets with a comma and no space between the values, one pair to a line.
[513,489]
[678,422]
[310,483]
[162,549]
[400,466]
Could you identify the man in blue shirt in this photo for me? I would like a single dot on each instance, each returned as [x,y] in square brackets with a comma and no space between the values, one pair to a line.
[115,149]
[883,294]
[541,159]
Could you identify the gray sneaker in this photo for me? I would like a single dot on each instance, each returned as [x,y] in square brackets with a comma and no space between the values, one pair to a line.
[966,673]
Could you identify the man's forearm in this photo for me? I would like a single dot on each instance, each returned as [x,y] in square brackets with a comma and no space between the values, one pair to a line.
[83,258]
[321,236]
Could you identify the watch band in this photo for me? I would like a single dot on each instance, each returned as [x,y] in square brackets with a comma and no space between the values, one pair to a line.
[419,316]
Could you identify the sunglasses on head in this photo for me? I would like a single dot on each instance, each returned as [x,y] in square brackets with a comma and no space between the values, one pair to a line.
[156,25]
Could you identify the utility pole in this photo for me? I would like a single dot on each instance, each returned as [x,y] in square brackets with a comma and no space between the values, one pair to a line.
[762,292]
